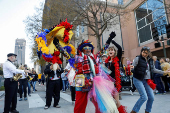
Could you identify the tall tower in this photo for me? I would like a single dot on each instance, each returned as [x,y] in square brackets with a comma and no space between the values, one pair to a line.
[20,51]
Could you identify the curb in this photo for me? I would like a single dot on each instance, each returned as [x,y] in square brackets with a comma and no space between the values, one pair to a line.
[2,93]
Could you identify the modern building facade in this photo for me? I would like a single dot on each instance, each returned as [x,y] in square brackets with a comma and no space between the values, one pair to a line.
[20,51]
[136,32]
[146,15]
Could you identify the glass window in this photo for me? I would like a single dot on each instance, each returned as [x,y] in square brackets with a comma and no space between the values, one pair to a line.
[141,23]
[149,19]
[160,25]
[150,15]
[154,4]
[141,12]
[158,13]
[145,34]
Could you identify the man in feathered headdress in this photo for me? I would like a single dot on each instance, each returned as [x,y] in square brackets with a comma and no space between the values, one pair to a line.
[85,64]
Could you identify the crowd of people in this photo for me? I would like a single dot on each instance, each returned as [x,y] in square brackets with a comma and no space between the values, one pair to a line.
[93,70]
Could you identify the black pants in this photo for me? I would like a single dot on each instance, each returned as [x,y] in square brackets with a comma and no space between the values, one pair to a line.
[23,87]
[72,88]
[159,84]
[53,89]
[43,82]
[165,80]
[11,88]
[133,88]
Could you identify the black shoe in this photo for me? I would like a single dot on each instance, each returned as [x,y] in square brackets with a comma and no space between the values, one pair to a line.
[14,111]
[46,107]
[35,90]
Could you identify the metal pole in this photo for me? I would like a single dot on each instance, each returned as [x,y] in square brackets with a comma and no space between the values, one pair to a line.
[163,46]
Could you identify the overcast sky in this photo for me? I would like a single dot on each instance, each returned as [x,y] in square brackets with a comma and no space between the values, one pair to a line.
[12,14]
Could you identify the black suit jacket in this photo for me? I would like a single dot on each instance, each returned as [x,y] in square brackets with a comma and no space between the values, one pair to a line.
[51,72]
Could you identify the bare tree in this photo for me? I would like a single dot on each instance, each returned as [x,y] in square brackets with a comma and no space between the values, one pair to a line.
[56,11]
[98,15]
[33,25]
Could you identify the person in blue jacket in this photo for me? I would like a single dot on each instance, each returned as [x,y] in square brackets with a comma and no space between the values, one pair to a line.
[157,77]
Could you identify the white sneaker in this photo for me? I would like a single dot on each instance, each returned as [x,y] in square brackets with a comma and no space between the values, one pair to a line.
[57,106]
[39,84]
[64,91]
[131,92]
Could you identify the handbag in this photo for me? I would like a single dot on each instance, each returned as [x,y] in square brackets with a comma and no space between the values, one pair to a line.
[80,80]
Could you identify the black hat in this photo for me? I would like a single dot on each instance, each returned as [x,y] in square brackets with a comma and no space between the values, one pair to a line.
[11,54]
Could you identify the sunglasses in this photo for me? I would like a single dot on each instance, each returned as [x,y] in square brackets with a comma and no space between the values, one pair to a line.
[146,48]
[85,48]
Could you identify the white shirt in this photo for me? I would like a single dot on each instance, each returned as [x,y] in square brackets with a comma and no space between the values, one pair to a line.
[24,75]
[9,69]
[55,76]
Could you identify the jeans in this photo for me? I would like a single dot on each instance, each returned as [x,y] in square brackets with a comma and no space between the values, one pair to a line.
[64,85]
[39,81]
[146,93]
[33,84]
[29,88]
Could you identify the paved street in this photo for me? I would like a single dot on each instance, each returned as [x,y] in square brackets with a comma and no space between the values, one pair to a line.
[36,103]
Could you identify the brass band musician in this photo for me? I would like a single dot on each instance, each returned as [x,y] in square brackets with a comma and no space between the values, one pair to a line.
[11,86]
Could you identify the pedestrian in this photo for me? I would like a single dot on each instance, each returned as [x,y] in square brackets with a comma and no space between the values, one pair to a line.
[29,79]
[23,83]
[129,73]
[143,67]
[64,80]
[103,58]
[53,87]
[11,86]
[34,80]
[113,63]
[39,78]
[165,66]
[43,79]
[72,85]
[157,77]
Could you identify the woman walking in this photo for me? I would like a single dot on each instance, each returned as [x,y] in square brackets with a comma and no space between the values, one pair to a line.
[143,67]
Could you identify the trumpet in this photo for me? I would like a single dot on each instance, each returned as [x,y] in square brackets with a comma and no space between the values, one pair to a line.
[29,78]
[17,77]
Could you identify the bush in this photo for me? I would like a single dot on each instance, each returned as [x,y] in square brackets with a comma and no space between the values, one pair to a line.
[2,88]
